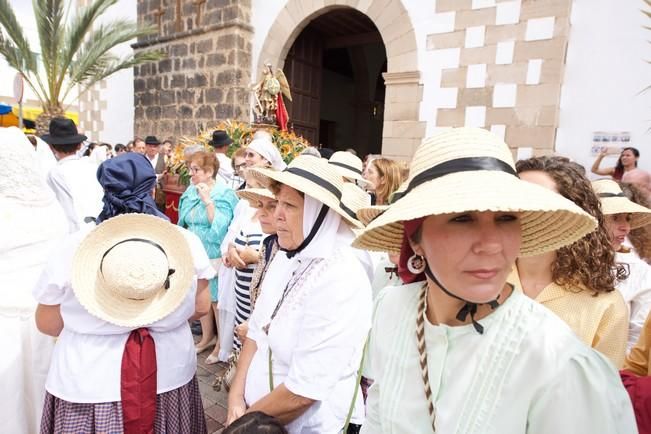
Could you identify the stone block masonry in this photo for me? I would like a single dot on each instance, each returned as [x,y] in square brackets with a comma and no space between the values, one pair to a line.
[206,73]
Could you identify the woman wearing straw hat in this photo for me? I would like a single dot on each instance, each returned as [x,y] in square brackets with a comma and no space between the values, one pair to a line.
[261,152]
[264,202]
[26,241]
[622,215]
[577,282]
[457,349]
[206,208]
[119,298]
[306,334]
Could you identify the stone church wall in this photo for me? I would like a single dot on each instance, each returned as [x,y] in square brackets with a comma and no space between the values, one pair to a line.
[205,75]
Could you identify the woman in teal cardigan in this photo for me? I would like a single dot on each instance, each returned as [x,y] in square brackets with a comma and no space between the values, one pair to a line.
[206,208]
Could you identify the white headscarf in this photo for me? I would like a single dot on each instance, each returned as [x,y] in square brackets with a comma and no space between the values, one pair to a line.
[268,151]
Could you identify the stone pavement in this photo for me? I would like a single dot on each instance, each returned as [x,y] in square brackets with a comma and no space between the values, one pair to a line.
[214,403]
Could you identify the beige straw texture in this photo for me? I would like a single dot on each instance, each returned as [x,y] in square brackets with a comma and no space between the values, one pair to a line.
[255,195]
[548,220]
[110,303]
[340,159]
[612,203]
[317,167]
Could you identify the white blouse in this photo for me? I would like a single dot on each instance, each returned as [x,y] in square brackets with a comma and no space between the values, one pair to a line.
[636,290]
[316,339]
[528,373]
[87,357]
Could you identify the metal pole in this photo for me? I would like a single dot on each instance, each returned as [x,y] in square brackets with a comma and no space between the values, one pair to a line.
[20,114]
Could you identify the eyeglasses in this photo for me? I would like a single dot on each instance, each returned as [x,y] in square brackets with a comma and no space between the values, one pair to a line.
[195,169]
[239,166]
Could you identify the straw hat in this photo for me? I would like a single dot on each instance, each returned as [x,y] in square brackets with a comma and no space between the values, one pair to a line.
[311,176]
[367,214]
[255,195]
[348,165]
[121,269]
[353,199]
[470,169]
[614,201]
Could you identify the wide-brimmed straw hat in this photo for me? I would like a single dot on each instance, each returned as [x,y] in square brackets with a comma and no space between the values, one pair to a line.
[470,169]
[311,176]
[348,165]
[132,270]
[353,199]
[614,201]
[255,195]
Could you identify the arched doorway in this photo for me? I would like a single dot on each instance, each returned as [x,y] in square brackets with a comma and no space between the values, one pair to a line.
[402,128]
[335,69]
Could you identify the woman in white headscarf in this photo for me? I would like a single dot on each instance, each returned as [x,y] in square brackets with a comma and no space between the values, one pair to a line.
[25,243]
[306,335]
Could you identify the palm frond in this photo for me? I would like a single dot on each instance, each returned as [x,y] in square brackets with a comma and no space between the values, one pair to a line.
[9,24]
[111,64]
[80,25]
[50,27]
[98,43]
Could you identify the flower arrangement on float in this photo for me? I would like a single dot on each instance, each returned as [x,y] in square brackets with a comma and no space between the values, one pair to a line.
[288,143]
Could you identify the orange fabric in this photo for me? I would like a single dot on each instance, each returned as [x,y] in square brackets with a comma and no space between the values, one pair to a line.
[637,360]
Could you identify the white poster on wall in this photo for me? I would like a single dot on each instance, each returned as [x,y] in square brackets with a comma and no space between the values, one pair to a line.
[612,141]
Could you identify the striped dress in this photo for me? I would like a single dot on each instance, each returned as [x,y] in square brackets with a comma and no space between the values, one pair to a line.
[250,236]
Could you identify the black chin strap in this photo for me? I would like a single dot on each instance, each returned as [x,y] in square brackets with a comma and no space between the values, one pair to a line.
[469,308]
[317,225]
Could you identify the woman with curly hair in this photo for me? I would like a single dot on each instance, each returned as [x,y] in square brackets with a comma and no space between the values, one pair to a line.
[622,216]
[577,282]
[640,238]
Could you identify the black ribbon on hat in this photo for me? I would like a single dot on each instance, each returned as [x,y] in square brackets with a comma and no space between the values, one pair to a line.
[346,166]
[170,271]
[466,164]
[324,208]
[611,195]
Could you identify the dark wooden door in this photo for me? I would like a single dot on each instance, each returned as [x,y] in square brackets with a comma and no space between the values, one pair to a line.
[303,70]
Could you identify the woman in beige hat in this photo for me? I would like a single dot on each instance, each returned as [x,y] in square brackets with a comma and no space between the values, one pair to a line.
[622,215]
[300,359]
[577,282]
[457,349]
[247,291]
[119,298]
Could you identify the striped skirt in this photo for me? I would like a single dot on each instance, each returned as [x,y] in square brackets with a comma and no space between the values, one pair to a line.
[177,411]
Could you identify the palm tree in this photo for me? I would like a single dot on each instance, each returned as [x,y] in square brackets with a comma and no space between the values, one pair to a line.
[74,54]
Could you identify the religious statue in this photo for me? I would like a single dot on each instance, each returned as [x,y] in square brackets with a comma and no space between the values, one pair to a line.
[269,105]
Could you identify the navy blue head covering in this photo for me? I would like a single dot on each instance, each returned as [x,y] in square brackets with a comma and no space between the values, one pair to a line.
[128,180]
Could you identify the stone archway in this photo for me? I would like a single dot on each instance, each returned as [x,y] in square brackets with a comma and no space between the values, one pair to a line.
[403,131]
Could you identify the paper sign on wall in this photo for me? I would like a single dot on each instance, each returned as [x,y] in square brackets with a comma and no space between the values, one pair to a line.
[612,141]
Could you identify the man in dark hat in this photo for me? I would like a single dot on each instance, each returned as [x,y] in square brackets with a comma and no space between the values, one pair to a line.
[73,179]
[157,161]
[220,141]
[152,148]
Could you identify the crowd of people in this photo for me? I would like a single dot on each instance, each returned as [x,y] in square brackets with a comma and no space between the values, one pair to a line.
[464,292]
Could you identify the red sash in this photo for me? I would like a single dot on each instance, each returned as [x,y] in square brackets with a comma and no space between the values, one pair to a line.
[639,389]
[138,383]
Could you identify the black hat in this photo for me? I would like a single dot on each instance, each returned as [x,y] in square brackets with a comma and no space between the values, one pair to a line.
[220,139]
[63,131]
[151,140]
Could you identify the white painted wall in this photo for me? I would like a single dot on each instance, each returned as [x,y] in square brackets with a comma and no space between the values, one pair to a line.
[605,72]
[118,116]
